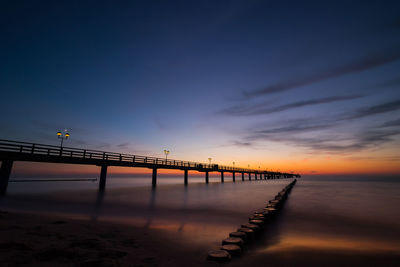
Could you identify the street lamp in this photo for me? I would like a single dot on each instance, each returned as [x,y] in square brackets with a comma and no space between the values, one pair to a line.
[166,152]
[62,136]
[209,160]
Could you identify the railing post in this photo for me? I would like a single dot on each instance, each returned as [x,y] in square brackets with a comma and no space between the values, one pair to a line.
[84,153]
[33,148]
[5,172]
[120,157]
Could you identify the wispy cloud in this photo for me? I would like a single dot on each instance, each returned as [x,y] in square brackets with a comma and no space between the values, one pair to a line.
[261,109]
[322,133]
[377,109]
[392,123]
[330,143]
[362,64]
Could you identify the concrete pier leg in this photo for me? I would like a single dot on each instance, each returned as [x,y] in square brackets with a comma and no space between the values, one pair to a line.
[265,176]
[5,171]
[186,177]
[233,177]
[249,176]
[242,176]
[103,177]
[222,177]
[206,177]
[154,178]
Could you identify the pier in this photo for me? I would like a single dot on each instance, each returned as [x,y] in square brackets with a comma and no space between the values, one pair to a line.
[12,151]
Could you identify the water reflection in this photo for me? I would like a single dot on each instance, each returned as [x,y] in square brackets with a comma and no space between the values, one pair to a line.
[151,207]
[98,205]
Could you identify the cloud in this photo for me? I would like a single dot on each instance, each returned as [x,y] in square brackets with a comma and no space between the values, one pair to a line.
[294,128]
[362,64]
[377,109]
[123,145]
[242,144]
[392,123]
[327,142]
[261,109]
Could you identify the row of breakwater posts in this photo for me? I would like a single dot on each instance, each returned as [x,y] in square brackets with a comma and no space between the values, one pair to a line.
[237,242]
[12,151]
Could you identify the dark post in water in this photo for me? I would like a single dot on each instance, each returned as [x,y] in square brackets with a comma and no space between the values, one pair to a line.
[5,171]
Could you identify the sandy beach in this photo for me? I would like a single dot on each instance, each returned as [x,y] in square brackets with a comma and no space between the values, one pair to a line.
[31,240]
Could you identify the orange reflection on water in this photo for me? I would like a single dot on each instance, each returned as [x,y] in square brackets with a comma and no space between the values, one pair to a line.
[331,243]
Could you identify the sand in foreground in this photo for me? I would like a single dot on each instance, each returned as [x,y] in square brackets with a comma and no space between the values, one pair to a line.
[50,241]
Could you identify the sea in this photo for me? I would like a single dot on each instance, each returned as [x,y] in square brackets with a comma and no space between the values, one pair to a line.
[326,220]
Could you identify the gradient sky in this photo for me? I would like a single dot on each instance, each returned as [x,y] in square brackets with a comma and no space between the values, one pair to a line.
[304,86]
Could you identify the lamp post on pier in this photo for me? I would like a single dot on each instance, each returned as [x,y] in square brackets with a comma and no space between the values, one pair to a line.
[62,136]
[209,160]
[166,152]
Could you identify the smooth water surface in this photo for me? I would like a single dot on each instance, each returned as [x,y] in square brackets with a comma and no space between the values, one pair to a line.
[339,217]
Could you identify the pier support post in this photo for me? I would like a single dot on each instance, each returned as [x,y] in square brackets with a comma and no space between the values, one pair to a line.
[206,177]
[5,171]
[103,177]
[265,176]
[255,176]
[249,176]
[186,177]
[222,177]
[154,178]
[242,176]
[233,177]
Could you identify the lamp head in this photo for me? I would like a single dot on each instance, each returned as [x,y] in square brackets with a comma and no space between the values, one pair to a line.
[66,135]
[59,134]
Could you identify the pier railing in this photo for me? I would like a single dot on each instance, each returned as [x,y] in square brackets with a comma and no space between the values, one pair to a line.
[70,152]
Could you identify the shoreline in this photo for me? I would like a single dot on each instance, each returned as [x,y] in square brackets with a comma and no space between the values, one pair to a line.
[37,240]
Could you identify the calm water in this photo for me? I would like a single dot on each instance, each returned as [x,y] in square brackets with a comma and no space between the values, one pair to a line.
[345,215]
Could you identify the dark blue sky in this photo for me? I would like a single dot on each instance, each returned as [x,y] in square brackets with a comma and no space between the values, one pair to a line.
[256,82]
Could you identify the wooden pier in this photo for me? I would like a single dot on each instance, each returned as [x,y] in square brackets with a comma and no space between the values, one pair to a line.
[11,151]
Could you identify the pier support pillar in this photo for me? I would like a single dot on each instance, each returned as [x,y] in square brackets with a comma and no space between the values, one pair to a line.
[242,176]
[5,171]
[249,176]
[265,176]
[233,177]
[255,176]
[186,177]
[222,177]
[206,177]
[154,178]
[103,177]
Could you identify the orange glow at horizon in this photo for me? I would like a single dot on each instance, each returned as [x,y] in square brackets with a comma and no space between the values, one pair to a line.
[304,166]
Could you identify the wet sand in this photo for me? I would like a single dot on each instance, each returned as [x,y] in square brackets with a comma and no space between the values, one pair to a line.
[31,240]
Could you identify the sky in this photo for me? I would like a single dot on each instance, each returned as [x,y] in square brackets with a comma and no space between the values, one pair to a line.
[305,86]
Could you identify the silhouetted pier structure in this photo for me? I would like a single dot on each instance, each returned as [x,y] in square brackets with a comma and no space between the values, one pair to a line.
[11,151]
